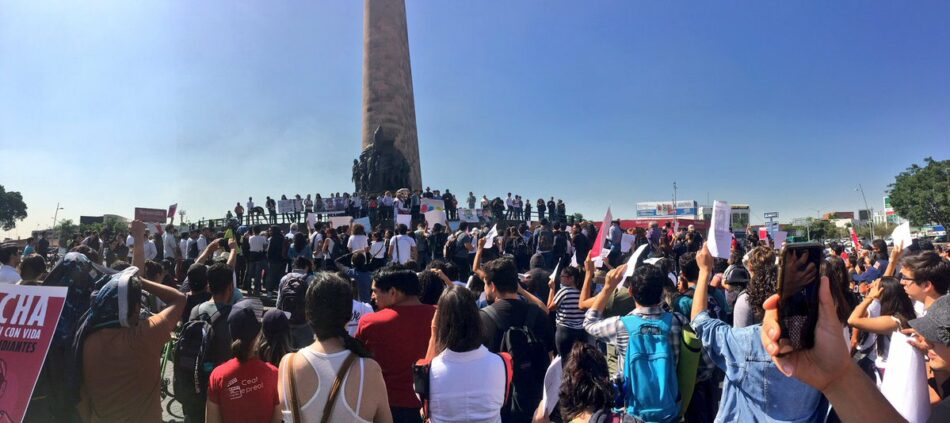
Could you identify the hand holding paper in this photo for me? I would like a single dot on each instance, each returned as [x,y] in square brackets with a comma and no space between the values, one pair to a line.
[719,237]
[632,263]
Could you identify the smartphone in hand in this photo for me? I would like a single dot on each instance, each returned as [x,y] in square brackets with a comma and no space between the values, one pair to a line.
[798,284]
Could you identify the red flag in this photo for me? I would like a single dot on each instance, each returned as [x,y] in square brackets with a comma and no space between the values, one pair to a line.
[173,208]
[601,236]
[854,239]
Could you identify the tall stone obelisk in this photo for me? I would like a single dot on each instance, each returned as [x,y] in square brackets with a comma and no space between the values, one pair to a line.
[388,100]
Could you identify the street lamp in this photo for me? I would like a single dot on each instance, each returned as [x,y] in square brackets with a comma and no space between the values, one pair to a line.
[868,209]
[56,214]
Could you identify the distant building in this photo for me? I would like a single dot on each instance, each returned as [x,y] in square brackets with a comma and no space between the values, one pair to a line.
[838,215]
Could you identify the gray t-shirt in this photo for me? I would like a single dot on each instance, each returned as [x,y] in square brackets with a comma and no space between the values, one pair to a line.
[742,315]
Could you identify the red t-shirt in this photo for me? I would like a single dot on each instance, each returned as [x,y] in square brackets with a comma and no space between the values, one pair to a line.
[398,337]
[244,392]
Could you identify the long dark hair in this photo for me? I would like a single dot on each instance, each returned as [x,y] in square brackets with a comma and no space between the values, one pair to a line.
[585,385]
[761,286]
[458,323]
[896,303]
[329,308]
[833,268]
[300,242]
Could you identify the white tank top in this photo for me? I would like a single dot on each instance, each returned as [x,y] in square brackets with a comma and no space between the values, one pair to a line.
[326,366]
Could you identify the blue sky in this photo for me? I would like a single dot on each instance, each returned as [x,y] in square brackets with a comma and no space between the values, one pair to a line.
[787,106]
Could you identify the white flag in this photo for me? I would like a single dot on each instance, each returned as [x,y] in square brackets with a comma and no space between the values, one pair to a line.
[490,238]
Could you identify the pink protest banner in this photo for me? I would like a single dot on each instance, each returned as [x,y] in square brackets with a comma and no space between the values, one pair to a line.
[173,208]
[150,215]
[601,235]
[28,319]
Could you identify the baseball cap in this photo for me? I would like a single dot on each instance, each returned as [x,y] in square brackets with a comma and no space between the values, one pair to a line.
[935,326]
[736,275]
[242,321]
[275,321]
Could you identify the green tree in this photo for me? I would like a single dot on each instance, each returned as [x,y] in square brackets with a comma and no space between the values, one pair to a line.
[922,194]
[12,208]
[65,231]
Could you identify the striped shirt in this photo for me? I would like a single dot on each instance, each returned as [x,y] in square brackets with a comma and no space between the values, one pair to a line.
[612,331]
[569,315]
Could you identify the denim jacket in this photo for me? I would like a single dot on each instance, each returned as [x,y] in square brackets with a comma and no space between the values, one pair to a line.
[754,389]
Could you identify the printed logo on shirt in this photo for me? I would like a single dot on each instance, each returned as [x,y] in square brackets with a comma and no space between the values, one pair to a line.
[246,387]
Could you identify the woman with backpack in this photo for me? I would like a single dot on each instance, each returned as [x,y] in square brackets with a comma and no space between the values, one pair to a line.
[586,393]
[332,379]
[377,251]
[333,247]
[256,378]
[463,381]
[299,248]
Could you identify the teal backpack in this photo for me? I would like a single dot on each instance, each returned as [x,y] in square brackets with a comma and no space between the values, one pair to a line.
[651,388]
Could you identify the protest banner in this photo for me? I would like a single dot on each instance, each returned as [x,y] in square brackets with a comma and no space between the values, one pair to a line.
[285,206]
[595,251]
[365,222]
[430,204]
[339,221]
[666,209]
[719,237]
[468,215]
[435,216]
[405,219]
[28,319]
[763,234]
[173,208]
[150,215]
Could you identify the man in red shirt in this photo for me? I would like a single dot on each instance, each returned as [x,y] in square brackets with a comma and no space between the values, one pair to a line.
[398,336]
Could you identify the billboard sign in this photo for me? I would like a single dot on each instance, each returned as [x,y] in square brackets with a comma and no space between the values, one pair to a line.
[151,215]
[655,209]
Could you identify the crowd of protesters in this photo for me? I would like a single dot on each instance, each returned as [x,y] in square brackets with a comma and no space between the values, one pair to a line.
[537,323]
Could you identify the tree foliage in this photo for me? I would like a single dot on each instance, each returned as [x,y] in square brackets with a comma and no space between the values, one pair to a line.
[922,194]
[65,230]
[12,208]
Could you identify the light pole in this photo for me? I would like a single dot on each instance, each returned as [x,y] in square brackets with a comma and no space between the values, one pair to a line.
[868,209]
[676,226]
[55,215]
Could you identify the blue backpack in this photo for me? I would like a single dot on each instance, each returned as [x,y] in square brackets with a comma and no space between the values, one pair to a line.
[651,391]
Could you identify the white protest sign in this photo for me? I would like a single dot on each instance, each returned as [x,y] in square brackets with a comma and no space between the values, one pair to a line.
[632,263]
[719,239]
[901,235]
[468,215]
[338,221]
[626,243]
[435,216]
[311,220]
[574,260]
[298,205]
[779,238]
[365,222]
[599,260]
[490,238]
[405,219]
[905,383]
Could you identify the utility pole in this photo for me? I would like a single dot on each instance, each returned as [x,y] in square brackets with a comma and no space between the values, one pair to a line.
[55,215]
[868,209]
[676,225]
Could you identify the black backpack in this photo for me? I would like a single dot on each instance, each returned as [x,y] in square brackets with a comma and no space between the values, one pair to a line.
[559,247]
[545,240]
[197,352]
[293,297]
[519,246]
[460,251]
[193,250]
[530,361]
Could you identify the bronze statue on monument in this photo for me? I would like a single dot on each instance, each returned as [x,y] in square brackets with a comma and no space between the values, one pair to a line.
[381,166]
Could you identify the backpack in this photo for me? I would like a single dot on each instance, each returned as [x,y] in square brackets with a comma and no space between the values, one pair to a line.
[713,307]
[193,250]
[519,248]
[559,246]
[293,297]
[530,361]
[460,251]
[197,352]
[451,246]
[651,388]
[338,250]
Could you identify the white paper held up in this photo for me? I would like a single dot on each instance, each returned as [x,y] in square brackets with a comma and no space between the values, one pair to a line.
[719,238]
[490,238]
[632,263]
[780,237]
[405,219]
[626,243]
[901,235]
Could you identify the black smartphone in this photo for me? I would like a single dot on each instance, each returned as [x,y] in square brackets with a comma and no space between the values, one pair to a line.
[799,276]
